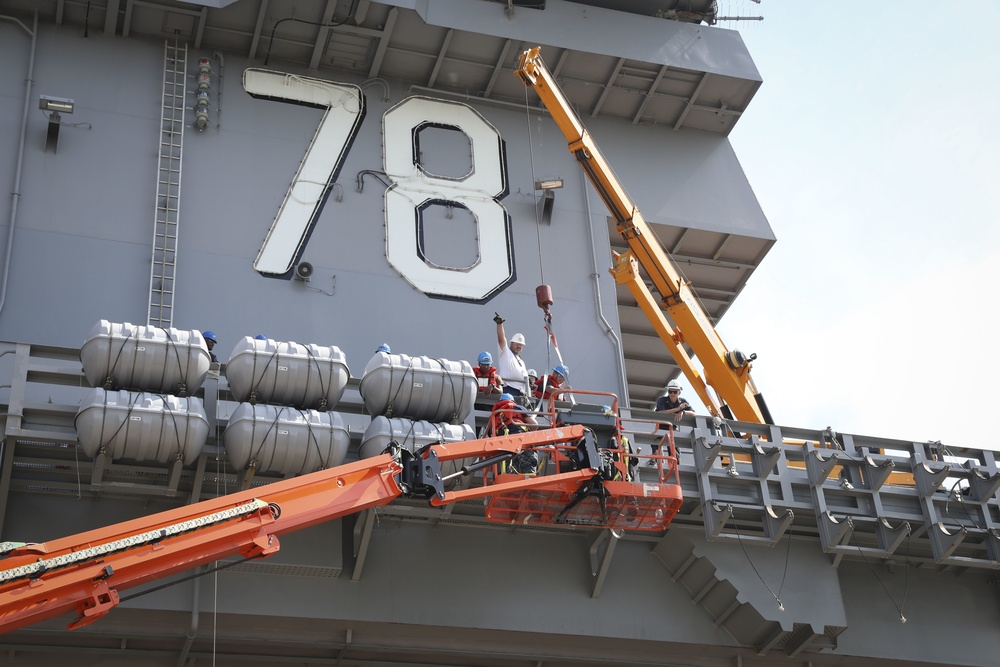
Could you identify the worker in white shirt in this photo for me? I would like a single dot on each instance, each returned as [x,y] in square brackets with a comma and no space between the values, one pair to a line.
[511,367]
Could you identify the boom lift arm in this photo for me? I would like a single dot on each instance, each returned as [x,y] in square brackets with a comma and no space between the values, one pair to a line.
[726,371]
[85,572]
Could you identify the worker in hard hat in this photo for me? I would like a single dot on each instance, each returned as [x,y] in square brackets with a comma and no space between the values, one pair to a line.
[511,367]
[210,342]
[509,418]
[486,375]
[553,384]
[674,405]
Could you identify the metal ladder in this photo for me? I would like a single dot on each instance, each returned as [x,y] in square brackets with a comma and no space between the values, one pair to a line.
[168,186]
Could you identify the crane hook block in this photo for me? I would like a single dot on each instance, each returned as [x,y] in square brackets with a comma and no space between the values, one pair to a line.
[543,295]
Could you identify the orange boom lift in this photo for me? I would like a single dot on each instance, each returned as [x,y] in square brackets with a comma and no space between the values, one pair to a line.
[85,573]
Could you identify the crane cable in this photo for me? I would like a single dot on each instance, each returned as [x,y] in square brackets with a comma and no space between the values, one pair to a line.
[550,336]
[534,196]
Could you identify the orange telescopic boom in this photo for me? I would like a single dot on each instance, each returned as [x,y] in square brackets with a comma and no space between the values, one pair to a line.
[86,572]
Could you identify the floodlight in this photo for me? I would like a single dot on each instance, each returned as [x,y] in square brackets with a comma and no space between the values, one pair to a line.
[55,104]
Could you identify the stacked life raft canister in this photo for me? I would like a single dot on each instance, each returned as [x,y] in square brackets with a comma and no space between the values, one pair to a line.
[142,408]
[416,401]
[287,391]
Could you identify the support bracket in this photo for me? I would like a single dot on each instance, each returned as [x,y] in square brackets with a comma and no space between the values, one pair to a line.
[832,529]
[929,480]
[944,542]
[984,485]
[716,517]
[817,467]
[706,452]
[764,460]
[877,472]
[889,537]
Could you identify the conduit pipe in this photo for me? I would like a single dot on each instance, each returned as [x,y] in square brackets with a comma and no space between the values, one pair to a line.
[610,330]
[16,192]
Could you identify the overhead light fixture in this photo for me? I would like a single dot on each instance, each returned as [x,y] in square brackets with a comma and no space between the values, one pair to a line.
[548,197]
[57,105]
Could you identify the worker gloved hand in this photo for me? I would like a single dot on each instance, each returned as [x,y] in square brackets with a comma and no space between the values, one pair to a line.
[498,319]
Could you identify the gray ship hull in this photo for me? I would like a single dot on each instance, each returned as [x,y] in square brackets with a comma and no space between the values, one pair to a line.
[377,178]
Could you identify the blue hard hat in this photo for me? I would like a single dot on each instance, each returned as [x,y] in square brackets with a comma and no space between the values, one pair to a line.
[562,370]
[209,335]
[383,348]
[505,397]
[485,358]
[260,337]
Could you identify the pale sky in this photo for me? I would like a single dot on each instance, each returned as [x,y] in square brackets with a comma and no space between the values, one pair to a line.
[872,147]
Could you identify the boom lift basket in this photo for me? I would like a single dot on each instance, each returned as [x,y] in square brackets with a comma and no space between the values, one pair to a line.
[611,498]
[595,504]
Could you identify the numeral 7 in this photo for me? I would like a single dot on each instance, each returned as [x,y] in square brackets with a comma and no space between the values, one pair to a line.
[344,106]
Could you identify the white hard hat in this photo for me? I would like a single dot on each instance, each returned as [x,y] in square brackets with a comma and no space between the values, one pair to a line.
[532,373]
[518,338]
[673,384]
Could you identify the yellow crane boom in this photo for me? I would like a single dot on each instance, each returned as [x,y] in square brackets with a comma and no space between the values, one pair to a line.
[724,370]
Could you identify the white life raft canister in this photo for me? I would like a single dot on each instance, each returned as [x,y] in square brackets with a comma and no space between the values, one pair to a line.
[145,358]
[285,440]
[141,426]
[418,388]
[287,373]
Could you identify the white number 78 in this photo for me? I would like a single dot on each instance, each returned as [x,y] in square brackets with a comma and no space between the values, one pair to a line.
[411,189]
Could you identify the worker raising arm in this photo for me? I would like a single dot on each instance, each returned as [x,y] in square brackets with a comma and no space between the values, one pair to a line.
[511,367]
